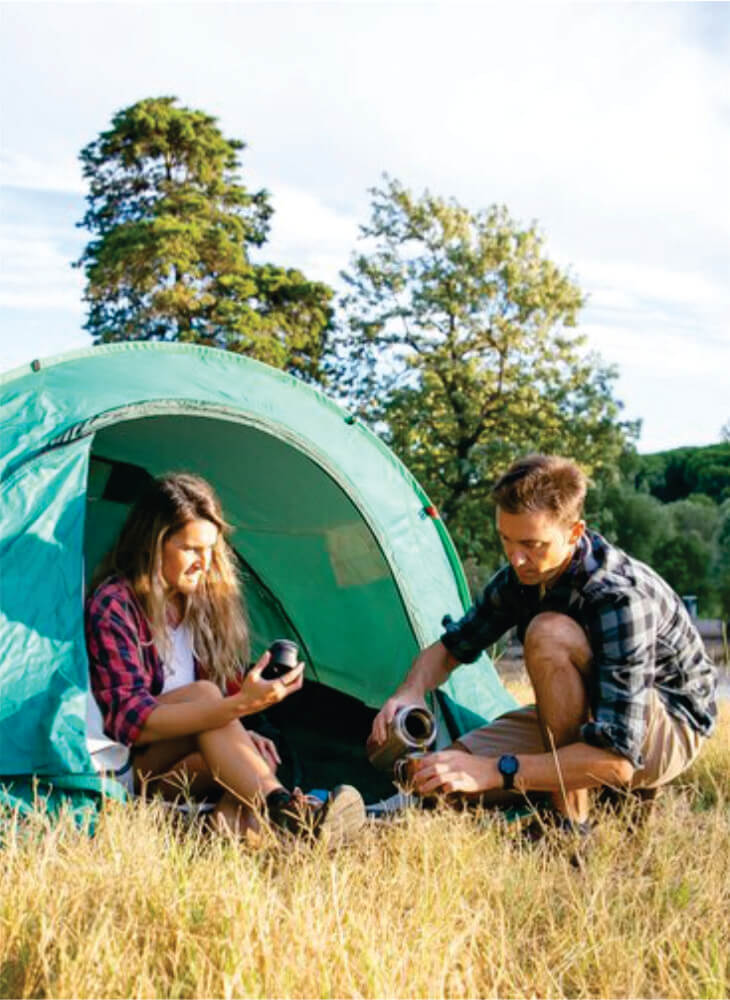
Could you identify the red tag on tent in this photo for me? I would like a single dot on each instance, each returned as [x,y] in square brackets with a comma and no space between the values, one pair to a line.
[431,511]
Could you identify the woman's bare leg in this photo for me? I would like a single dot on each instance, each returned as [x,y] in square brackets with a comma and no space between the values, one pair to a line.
[234,818]
[225,757]
[167,769]
[171,767]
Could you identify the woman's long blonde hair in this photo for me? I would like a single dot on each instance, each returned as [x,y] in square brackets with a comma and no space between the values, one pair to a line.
[215,611]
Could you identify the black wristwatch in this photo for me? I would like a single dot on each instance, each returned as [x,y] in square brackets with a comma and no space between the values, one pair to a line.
[508,766]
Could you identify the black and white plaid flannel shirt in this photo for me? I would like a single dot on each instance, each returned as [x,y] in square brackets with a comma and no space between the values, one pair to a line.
[640,632]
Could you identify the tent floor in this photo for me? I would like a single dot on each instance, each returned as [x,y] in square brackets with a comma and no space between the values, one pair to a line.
[320,734]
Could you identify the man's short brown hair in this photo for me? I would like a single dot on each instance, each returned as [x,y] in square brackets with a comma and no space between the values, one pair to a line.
[542,482]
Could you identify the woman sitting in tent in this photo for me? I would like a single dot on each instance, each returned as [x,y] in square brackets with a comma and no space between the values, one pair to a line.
[166,630]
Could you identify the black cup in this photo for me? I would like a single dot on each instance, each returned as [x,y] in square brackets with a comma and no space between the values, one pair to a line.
[284,657]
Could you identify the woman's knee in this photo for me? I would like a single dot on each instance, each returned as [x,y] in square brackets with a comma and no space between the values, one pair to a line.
[195,691]
[204,691]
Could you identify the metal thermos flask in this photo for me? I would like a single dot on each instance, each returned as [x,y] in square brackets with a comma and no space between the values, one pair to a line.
[412,730]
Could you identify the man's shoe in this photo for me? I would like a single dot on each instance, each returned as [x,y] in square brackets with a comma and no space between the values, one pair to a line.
[335,820]
[635,805]
[555,831]
[543,825]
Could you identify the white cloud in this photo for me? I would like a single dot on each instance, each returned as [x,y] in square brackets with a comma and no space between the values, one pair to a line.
[642,347]
[607,123]
[600,111]
[308,234]
[20,170]
[36,273]
[607,279]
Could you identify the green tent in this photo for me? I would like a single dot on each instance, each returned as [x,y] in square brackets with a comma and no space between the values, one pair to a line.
[339,548]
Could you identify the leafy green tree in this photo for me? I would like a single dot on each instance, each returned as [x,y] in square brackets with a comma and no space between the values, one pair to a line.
[674,475]
[457,345]
[636,522]
[720,566]
[683,560]
[173,229]
[697,513]
[680,540]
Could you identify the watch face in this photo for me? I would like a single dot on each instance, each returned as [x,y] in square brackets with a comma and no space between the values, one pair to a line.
[508,764]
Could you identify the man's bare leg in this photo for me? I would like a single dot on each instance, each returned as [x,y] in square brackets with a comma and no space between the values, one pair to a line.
[558,658]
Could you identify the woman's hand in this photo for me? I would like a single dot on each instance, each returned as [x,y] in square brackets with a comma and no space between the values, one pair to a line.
[267,749]
[256,693]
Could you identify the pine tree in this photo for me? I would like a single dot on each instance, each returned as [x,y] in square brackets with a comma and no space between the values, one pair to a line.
[173,228]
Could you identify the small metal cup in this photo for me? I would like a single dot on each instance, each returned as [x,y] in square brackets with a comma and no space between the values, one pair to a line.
[403,770]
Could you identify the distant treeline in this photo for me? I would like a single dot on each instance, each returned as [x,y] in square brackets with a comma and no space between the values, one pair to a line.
[677,474]
[672,510]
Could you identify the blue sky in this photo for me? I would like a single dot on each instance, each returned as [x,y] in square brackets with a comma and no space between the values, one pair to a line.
[608,124]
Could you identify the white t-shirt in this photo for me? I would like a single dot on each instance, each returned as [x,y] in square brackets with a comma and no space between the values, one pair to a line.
[107,756]
[111,757]
[181,669]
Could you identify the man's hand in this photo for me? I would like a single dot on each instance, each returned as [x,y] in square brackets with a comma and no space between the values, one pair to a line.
[429,670]
[382,720]
[454,771]
[256,694]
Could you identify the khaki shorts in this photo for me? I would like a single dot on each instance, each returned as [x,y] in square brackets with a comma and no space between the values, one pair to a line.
[670,745]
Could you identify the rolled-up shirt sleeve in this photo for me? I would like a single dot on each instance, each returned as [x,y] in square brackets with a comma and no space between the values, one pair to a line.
[622,630]
[120,680]
[487,619]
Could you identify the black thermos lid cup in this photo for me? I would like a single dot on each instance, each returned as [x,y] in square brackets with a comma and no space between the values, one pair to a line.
[284,653]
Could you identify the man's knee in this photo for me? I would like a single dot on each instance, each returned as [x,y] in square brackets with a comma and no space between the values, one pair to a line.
[554,637]
[623,772]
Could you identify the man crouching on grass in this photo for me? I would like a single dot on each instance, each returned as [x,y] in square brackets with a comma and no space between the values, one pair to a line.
[624,690]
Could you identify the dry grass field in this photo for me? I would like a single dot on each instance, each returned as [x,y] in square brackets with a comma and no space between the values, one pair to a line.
[431,905]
